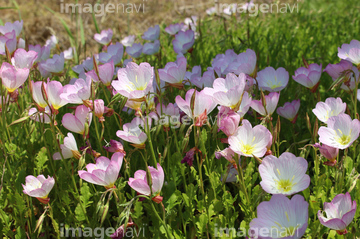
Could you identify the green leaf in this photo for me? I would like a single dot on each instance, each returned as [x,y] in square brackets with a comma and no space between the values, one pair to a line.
[41,159]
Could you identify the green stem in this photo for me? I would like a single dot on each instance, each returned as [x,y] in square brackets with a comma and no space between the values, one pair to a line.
[160,220]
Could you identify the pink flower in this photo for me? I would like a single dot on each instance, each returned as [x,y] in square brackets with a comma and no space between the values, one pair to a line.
[114,53]
[69,149]
[249,141]
[169,114]
[174,72]
[9,27]
[51,42]
[340,132]
[135,50]
[106,73]
[151,48]
[284,175]
[228,121]
[207,80]
[281,217]
[183,41]
[174,28]
[339,213]
[271,102]
[347,70]
[308,77]
[133,134]
[328,152]
[140,184]
[104,37]
[8,41]
[23,59]
[77,123]
[12,78]
[69,53]
[54,89]
[38,187]
[115,146]
[350,52]
[134,81]
[228,154]
[128,41]
[245,62]
[54,65]
[230,91]
[77,93]
[40,116]
[99,109]
[289,110]
[201,107]
[105,172]
[331,107]
[43,53]
[273,80]
[152,33]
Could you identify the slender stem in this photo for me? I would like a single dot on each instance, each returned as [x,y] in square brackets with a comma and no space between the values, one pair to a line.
[160,220]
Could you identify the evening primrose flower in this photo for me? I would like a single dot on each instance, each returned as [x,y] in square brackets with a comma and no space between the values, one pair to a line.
[281,217]
[106,73]
[104,37]
[135,50]
[284,175]
[9,42]
[114,53]
[350,52]
[271,102]
[69,149]
[174,72]
[105,172]
[245,62]
[199,108]
[77,93]
[230,91]
[134,81]
[151,48]
[152,33]
[132,133]
[289,110]
[273,80]
[328,152]
[39,187]
[347,70]
[339,213]
[228,121]
[54,89]
[12,78]
[54,65]
[140,184]
[40,116]
[24,59]
[308,77]
[183,41]
[169,114]
[77,123]
[340,132]
[331,107]
[128,40]
[174,28]
[9,27]
[249,141]
[43,53]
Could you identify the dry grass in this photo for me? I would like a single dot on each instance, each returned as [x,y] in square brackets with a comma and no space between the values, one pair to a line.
[39,23]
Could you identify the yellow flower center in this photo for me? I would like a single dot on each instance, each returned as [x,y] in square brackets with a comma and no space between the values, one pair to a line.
[247,149]
[285,185]
[344,139]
